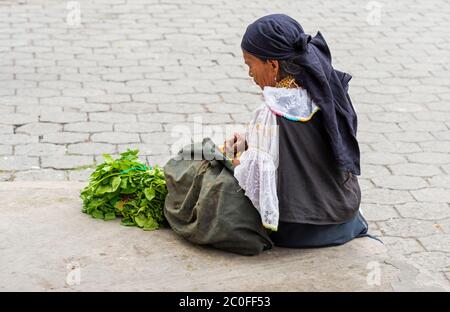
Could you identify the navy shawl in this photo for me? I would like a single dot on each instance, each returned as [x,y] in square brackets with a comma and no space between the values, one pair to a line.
[280,37]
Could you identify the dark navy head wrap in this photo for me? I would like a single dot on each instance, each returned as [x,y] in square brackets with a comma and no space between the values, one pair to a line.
[280,37]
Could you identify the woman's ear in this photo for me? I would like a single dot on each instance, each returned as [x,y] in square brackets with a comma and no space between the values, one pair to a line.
[275,65]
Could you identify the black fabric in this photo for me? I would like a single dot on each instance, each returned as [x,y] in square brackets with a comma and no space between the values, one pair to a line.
[310,187]
[279,37]
[296,235]
[206,206]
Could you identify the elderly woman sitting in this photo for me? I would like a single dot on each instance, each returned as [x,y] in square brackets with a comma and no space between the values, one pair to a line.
[298,160]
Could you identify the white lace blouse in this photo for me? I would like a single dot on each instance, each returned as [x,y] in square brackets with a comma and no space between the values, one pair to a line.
[257,172]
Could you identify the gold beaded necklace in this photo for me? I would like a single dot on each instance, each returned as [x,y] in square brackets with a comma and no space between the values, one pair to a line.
[287,82]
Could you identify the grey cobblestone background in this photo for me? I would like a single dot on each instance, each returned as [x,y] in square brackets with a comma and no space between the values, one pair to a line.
[134,69]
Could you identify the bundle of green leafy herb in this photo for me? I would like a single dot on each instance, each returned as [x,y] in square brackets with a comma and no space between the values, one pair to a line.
[126,188]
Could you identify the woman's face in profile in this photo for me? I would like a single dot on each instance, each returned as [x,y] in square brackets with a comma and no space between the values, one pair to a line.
[264,73]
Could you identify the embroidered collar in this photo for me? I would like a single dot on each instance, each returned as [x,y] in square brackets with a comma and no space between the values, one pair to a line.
[291,103]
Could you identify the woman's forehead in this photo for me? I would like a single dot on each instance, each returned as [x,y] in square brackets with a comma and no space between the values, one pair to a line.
[248,56]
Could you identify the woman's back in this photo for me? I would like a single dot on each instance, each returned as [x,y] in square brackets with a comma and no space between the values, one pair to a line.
[311,189]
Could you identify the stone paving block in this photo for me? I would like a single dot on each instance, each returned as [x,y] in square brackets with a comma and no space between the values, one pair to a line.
[5,176]
[390,117]
[436,243]
[111,117]
[241,118]
[64,137]
[396,147]
[429,158]
[89,127]
[436,261]
[436,146]
[18,162]
[370,171]
[93,107]
[59,84]
[63,117]
[442,181]
[417,170]
[386,196]
[90,148]
[436,195]
[399,182]
[39,128]
[109,98]
[6,129]
[100,159]
[40,175]
[376,158]
[116,137]
[38,92]
[138,127]
[424,210]
[409,136]
[405,107]
[84,92]
[80,175]
[422,126]
[177,108]
[162,117]
[159,160]
[63,101]
[19,138]
[135,108]
[146,149]
[365,184]
[364,137]
[38,109]
[17,119]
[66,161]
[446,168]
[433,116]
[441,135]
[39,149]
[18,100]
[402,246]
[6,150]
[377,212]
[408,228]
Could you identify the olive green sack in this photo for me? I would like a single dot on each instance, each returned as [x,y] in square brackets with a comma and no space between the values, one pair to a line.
[206,206]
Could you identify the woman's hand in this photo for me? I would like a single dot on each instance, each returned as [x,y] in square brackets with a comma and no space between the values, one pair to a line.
[228,148]
[235,146]
[240,144]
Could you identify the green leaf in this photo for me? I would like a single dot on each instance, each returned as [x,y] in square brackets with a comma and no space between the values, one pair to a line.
[97,214]
[149,193]
[140,220]
[102,189]
[123,183]
[115,183]
[150,225]
[119,205]
[127,222]
[110,216]
[108,158]
[136,195]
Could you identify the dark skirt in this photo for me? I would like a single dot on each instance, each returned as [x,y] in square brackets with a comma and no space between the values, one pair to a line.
[298,235]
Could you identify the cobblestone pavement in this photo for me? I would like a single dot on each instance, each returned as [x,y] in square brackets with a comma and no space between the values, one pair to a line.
[135,70]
